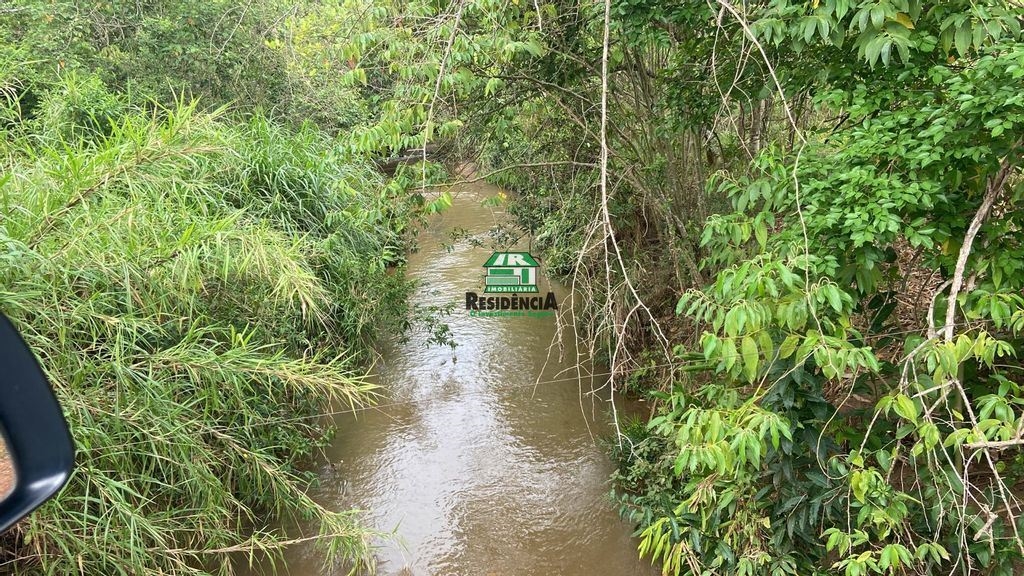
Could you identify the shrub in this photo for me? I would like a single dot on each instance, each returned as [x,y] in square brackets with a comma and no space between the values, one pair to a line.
[180,281]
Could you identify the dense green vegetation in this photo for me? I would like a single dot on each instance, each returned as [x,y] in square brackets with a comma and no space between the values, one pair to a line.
[797,226]
[198,278]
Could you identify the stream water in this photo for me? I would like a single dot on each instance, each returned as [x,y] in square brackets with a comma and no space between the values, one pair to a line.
[486,460]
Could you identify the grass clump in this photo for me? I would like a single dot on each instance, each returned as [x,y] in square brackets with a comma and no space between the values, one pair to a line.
[195,290]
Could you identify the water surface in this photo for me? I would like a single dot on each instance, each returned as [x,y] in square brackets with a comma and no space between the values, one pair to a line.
[488,459]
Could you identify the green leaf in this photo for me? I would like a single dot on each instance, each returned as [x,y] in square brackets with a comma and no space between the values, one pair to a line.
[750,358]
[877,16]
[761,234]
[963,39]
[788,346]
[884,459]
[905,407]
[834,298]
[859,485]
[946,39]
[492,86]
[728,353]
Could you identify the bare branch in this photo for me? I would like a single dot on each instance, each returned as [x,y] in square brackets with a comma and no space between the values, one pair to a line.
[993,189]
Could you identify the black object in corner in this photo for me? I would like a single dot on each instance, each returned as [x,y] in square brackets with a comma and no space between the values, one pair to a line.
[37,434]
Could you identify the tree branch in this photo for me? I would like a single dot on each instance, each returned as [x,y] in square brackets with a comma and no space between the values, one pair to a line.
[993,189]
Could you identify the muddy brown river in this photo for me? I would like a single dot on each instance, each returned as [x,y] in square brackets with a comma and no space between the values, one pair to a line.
[486,460]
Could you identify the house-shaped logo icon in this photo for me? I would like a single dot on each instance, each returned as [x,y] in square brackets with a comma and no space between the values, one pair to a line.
[511,272]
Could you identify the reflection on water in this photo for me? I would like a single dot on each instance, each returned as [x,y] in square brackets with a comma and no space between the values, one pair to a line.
[482,470]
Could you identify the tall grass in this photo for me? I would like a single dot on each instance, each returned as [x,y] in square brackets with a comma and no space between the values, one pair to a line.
[195,290]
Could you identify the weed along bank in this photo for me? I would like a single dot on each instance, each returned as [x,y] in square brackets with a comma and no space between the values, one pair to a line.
[510,289]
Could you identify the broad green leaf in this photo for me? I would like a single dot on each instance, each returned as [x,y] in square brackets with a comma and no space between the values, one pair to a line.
[788,346]
[750,358]
[963,39]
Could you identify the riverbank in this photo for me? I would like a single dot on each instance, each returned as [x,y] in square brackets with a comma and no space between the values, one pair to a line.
[197,302]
